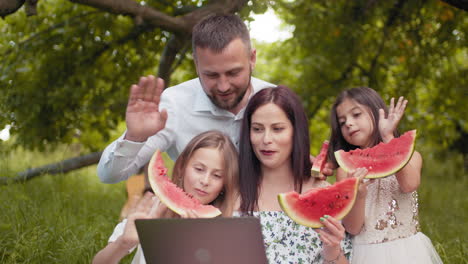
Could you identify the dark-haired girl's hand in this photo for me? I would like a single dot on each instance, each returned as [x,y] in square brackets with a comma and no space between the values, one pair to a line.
[363,183]
[388,124]
[355,218]
[327,171]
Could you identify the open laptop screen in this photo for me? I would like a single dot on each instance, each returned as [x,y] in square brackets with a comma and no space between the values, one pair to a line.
[202,241]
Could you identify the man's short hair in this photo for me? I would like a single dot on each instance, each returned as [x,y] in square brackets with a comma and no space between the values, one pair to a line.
[217,31]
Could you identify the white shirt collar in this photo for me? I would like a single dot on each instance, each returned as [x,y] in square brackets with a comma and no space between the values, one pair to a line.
[202,103]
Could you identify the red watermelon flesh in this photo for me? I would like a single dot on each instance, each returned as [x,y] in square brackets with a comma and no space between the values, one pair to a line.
[172,196]
[381,160]
[321,159]
[335,200]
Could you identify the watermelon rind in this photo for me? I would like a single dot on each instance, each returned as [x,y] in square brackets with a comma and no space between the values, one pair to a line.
[376,158]
[320,160]
[160,183]
[288,201]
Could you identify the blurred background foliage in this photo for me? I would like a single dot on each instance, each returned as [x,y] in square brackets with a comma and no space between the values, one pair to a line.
[415,49]
[65,72]
[65,75]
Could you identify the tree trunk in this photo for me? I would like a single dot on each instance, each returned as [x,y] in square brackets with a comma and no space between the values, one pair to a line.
[55,168]
[177,44]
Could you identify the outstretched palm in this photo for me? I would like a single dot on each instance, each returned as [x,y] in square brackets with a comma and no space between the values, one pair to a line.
[143,117]
[389,124]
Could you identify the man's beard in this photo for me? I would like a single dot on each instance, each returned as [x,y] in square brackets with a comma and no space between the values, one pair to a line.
[229,106]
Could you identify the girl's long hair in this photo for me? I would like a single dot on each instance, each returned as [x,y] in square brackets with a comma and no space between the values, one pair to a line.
[218,140]
[250,175]
[372,102]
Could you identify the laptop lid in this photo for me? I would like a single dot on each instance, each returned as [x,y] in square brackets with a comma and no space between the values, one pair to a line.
[202,241]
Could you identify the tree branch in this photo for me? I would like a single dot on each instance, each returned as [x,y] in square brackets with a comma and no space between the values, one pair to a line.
[46,31]
[55,168]
[158,19]
[8,7]
[462,4]
[174,46]
[131,8]
[182,57]
[390,21]
[132,35]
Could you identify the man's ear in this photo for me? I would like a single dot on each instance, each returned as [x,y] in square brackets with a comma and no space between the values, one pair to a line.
[196,63]
[194,56]
[253,58]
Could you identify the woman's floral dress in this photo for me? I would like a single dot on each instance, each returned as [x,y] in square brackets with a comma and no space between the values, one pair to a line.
[287,242]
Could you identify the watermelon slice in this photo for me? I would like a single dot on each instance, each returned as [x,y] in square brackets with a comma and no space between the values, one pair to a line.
[335,200]
[320,160]
[172,196]
[382,160]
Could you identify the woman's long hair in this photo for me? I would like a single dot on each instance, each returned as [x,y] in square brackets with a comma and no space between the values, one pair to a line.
[250,175]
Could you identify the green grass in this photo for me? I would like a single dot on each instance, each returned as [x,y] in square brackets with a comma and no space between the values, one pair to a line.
[56,218]
[444,207]
[68,218]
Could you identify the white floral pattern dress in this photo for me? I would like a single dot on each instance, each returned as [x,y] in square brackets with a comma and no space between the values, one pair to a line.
[287,242]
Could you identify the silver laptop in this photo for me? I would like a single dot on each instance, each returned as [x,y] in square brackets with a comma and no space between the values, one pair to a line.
[202,241]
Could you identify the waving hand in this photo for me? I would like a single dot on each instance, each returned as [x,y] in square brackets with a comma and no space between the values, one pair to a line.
[389,124]
[143,116]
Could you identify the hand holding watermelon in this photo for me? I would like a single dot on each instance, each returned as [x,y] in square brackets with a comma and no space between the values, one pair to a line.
[387,125]
[381,160]
[331,235]
[143,117]
[361,173]
[309,208]
[320,167]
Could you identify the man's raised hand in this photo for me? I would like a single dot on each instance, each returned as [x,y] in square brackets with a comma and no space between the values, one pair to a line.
[143,116]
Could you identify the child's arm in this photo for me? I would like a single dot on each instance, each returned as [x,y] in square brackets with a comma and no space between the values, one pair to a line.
[410,176]
[354,220]
[115,251]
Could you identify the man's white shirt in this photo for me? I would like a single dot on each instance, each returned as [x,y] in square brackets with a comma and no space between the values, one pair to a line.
[190,112]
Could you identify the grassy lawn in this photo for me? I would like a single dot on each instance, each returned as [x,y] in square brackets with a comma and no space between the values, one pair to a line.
[68,218]
[444,208]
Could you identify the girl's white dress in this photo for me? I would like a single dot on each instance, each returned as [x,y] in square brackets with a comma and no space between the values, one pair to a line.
[289,243]
[391,229]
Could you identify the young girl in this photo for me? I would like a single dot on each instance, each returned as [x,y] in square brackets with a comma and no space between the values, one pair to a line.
[385,222]
[207,169]
[274,158]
